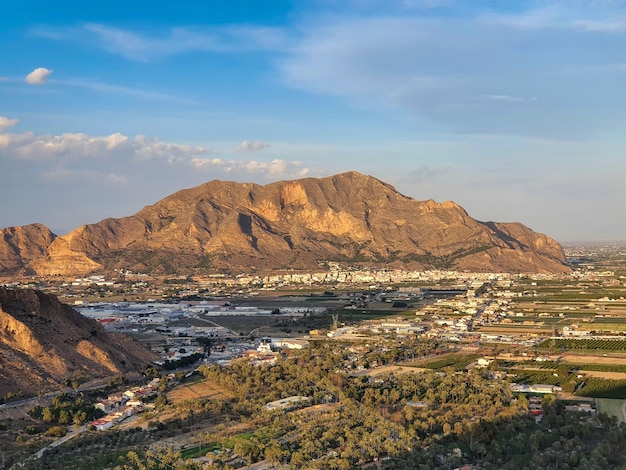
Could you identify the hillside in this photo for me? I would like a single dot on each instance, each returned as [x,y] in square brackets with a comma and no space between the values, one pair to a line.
[350,217]
[44,342]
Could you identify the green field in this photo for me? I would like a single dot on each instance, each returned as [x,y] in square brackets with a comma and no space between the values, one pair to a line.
[198,451]
[610,406]
[584,344]
[595,387]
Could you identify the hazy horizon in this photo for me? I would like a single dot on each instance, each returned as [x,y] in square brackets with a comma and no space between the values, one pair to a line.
[512,110]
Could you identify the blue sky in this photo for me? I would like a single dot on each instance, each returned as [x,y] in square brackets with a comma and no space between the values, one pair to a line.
[515,110]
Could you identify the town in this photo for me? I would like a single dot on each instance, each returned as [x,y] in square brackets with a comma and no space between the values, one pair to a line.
[541,337]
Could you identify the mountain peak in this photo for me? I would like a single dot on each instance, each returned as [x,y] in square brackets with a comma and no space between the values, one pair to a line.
[349,217]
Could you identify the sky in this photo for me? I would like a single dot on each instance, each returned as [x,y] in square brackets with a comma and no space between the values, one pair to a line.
[516,110]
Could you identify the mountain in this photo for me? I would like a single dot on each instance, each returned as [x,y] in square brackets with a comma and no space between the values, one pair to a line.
[21,245]
[44,342]
[298,224]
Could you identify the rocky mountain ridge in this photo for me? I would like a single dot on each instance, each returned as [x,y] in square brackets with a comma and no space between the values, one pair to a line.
[349,217]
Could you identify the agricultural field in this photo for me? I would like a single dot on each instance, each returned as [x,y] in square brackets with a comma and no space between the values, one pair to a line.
[594,359]
[586,344]
[611,407]
[201,389]
[389,370]
[596,387]
[457,361]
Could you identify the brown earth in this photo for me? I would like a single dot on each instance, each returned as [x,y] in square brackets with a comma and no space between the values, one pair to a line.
[391,370]
[605,375]
[590,359]
[202,389]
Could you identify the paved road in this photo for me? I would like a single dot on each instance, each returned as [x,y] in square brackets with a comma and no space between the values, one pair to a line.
[62,440]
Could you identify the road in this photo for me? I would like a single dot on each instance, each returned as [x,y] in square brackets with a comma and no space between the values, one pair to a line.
[62,440]
[233,333]
[91,385]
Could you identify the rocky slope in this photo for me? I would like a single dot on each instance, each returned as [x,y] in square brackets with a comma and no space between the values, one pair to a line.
[348,217]
[21,245]
[44,342]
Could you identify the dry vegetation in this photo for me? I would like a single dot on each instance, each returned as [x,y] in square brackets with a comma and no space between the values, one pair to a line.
[202,389]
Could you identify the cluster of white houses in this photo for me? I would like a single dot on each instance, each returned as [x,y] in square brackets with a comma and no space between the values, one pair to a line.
[120,406]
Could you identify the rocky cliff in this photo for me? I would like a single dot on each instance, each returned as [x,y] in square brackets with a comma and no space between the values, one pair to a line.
[348,217]
[21,245]
[44,342]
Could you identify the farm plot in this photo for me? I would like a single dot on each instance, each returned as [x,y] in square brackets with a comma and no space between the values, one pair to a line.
[203,389]
[572,358]
[611,407]
[587,344]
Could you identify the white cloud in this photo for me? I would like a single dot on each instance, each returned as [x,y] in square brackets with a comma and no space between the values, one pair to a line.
[39,76]
[29,146]
[252,146]
[275,168]
[6,122]
[152,148]
[107,158]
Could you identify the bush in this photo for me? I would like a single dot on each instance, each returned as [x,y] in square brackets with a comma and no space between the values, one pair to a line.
[56,431]
[32,430]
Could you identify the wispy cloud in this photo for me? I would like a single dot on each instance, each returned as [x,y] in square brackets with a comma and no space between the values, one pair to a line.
[443,69]
[506,98]
[145,47]
[252,146]
[609,25]
[550,16]
[39,76]
[136,92]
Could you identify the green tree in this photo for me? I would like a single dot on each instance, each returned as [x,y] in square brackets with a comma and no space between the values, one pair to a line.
[160,402]
[48,415]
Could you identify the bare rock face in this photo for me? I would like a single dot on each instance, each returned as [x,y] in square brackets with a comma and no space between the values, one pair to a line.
[348,217]
[44,342]
[61,259]
[21,245]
